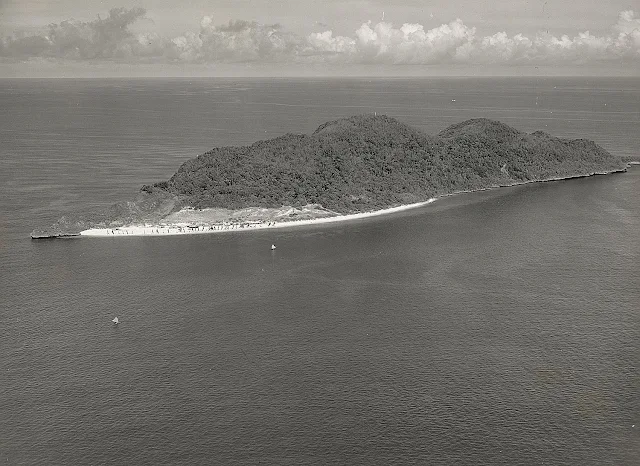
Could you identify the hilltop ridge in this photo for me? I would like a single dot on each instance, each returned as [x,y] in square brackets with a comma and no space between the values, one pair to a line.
[367,162]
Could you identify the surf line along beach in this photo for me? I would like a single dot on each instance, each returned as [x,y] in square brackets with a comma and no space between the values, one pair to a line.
[248,225]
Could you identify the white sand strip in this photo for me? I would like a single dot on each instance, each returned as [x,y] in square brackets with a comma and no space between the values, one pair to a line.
[185,229]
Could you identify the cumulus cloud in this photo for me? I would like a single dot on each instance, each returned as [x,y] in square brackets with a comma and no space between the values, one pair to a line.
[381,43]
[100,39]
[237,41]
[456,42]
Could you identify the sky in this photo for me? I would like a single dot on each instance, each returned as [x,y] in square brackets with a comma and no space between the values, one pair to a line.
[318,38]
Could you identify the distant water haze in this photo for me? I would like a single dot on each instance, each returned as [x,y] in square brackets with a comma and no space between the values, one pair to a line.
[492,328]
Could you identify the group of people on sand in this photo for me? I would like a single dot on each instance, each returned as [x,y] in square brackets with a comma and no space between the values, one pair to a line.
[175,229]
[235,226]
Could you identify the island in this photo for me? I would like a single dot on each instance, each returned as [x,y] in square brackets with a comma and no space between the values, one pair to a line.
[347,168]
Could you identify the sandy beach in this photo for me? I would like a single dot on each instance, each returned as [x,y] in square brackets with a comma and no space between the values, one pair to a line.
[167,229]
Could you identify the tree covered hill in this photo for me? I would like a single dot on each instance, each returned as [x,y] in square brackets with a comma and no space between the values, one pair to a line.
[356,164]
[370,162]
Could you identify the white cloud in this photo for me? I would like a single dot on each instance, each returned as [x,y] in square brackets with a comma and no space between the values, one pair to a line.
[381,43]
[237,41]
[628,23]
[100,39]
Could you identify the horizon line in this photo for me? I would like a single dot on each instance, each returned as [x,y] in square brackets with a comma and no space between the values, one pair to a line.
[443,76]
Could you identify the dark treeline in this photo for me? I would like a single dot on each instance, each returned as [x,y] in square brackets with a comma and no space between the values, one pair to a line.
[365,163]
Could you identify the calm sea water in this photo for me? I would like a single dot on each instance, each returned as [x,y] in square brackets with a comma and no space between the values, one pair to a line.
[493,328]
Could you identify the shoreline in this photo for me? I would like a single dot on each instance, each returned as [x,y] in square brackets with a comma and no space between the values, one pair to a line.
[186,229]
[191,229]
[548,180]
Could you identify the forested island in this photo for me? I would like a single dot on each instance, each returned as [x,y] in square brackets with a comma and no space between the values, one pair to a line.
[359,164]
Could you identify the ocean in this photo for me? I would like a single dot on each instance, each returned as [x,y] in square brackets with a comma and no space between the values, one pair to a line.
[499,327]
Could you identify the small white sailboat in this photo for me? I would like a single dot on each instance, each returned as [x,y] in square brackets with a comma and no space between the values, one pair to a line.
[115,320]
[273,246]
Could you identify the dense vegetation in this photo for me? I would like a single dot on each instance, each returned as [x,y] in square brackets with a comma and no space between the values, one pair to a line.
[365,163]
